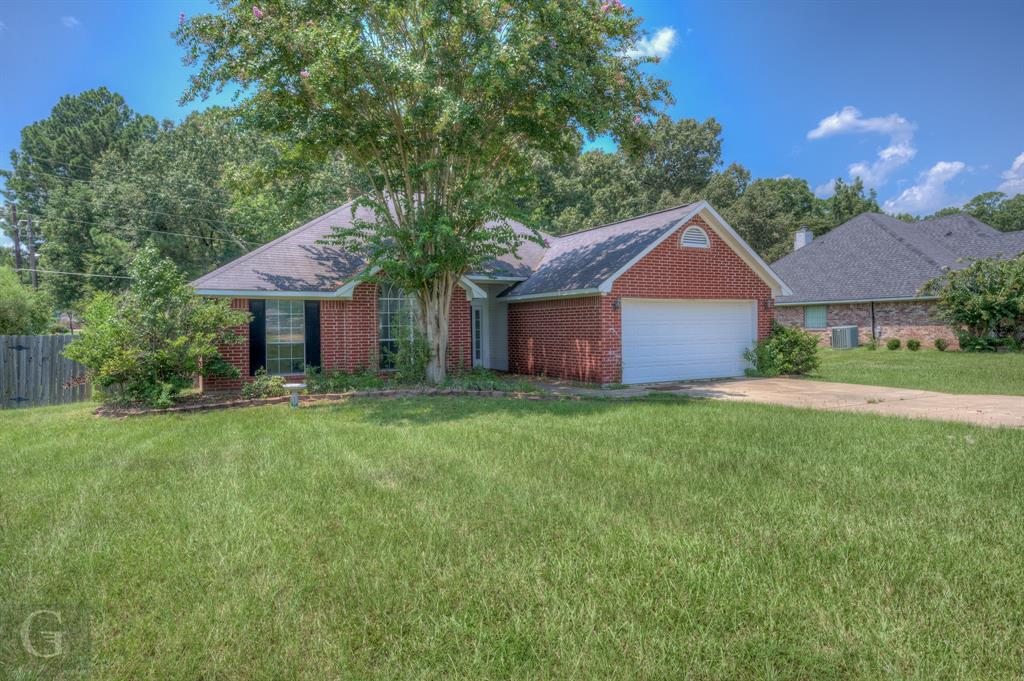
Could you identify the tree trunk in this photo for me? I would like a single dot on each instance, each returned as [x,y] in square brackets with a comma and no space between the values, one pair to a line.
[432,319]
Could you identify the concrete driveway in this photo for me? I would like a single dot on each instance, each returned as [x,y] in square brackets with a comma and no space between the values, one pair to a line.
[983,410]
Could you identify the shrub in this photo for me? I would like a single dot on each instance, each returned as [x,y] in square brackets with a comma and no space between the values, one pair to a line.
[146,345]
[941,344]
[22,310]
[321,382]
[984,303]
[787,351]
[892,344]
[263,385]
[913,345]
[872,344]
[485,379]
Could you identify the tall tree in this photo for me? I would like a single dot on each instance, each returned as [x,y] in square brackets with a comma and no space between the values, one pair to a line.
[442,104]
[849,200]
[679,157]
[995,208]
[769,211]
[56,161]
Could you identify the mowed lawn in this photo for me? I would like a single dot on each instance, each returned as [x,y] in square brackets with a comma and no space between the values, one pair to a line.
[964,373]
[442,538]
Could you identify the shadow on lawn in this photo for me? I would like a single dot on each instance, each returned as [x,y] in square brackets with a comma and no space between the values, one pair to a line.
[428,410]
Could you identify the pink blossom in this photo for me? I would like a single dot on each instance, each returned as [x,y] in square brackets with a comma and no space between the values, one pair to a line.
[304,74]
[257,12]
[181,19]
[637,119]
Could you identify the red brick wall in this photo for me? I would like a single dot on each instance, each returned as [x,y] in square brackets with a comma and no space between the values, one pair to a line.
[237,355]
[903,320]
[581,338]
[348,336]
[561,338]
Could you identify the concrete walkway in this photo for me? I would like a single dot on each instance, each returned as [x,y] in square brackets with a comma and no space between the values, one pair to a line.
[983,410]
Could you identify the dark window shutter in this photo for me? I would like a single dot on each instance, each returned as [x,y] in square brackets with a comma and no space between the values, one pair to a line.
[257,336]
[313,333]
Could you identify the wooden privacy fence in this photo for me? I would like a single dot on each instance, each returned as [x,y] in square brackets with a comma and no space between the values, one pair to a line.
[33,372]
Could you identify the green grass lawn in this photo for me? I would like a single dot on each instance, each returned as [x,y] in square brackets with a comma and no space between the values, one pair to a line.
[982,373]
[484,539]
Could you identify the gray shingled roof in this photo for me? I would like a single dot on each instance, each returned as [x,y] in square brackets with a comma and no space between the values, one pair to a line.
[584,260]
[298,262]
[571,262]
[875,257]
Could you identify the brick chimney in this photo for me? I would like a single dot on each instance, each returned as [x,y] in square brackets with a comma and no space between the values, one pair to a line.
[802,237]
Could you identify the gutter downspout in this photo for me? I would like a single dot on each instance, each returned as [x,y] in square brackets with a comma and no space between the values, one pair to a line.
[873,336]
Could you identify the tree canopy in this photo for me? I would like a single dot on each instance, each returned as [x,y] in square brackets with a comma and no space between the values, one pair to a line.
[443,106]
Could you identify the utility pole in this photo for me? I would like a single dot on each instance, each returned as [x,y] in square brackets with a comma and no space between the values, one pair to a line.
[15,229]
[32,255]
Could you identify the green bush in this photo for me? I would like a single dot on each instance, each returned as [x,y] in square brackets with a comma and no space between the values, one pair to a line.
[892,344]
[872,344]
[787,351]
[263,385]
[941,344]
[22,310]
[148,344]
[321,382]
[913,345]
[984,303]
[485,379]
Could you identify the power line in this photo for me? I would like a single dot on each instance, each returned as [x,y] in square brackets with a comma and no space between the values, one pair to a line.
[156,231]
[75,274]
[149,210]
[120,174]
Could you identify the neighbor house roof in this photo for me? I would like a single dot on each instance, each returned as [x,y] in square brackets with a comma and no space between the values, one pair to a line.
[877,257]
[578,263]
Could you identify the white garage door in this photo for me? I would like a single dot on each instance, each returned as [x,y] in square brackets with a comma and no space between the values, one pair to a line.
[671,340]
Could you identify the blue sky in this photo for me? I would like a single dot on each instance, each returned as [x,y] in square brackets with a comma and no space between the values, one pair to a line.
[923,99]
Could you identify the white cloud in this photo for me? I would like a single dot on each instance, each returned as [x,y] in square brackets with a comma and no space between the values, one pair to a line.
[1014,178]
[823,191]
[70,22]
[929,194]
[899,152]
[659,45]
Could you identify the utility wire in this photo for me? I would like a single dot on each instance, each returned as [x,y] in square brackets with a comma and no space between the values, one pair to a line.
[122,175]
[156,212]
[73,274]
[157,231]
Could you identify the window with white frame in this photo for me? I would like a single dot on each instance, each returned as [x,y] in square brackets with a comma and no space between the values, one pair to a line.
[815,317]
[286,337]
[694,237]
[394,315]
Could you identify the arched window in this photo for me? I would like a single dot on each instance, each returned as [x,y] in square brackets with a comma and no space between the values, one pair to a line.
[694,237]
[394,318]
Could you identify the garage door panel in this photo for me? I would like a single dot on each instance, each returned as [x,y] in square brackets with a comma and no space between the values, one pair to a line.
[665,340]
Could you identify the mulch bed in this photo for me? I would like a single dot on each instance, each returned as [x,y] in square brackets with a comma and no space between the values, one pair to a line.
[202,403]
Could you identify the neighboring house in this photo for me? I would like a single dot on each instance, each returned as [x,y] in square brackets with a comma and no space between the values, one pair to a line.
[868,273]
[671,295]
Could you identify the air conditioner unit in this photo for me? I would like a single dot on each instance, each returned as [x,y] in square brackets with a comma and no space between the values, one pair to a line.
[844,337]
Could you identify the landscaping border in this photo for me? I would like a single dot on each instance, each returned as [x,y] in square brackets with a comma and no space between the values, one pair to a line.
[327,398]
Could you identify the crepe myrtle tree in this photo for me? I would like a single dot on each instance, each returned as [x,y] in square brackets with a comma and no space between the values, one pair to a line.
[443,104]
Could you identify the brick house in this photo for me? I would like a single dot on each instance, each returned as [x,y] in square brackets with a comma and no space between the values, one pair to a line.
[672,295]
[868,273]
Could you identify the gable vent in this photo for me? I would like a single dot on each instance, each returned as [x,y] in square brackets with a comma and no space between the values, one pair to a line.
[694,237]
